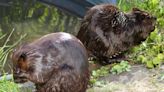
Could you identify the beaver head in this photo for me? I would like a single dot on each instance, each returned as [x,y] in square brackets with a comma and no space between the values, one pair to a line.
[55,63]
[146,23]
[28,65]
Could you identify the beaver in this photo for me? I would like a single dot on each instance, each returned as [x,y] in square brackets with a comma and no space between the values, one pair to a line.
[57,62]
[106,31]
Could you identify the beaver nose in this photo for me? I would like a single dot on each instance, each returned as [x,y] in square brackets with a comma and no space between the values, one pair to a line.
[17,71]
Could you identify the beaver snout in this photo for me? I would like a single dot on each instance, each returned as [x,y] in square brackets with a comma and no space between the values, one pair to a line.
[19,76]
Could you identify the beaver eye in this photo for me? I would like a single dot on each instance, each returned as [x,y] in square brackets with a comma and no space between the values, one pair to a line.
[23,56]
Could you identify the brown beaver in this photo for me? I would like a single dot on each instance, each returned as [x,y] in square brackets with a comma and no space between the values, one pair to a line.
[57,62]
[106,31]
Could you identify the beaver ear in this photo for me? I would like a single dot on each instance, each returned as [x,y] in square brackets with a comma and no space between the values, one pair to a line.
[138,14]
[136,9]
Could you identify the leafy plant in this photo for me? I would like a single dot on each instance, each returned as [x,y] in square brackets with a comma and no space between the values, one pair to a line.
[5,85]
[103,71]
[8,86]
[121,67]
[5,48]
[150,52]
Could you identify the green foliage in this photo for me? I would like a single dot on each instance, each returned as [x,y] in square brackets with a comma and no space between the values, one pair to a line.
[8,86]
[6,48]
[5,85]
[150,52]
[121,67]
[103,71]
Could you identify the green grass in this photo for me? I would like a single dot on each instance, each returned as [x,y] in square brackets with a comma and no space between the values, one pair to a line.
[8,86]
[5,49]
[96,74]
[119,68]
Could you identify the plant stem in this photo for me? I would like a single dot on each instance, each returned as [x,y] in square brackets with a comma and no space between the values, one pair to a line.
[8,38]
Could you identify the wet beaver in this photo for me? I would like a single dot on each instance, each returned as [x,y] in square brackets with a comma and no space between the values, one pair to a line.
[56,62]
[106,31]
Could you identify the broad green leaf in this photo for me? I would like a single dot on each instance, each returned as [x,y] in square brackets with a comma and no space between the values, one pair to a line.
[149,64]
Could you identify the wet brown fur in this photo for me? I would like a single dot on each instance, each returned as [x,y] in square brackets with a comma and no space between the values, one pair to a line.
[106,31]
[56,62]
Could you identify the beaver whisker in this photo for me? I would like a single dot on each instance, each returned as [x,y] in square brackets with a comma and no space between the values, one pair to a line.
[119,52]
[41,77]
[111,57]
[115,54]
